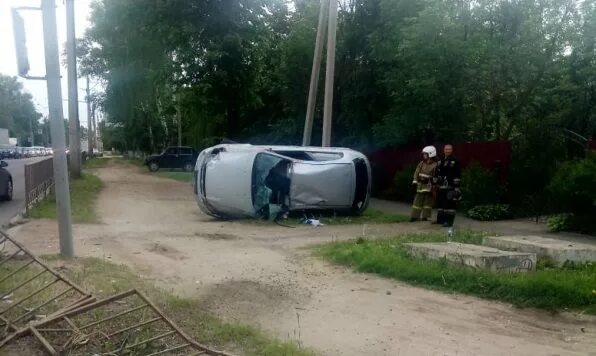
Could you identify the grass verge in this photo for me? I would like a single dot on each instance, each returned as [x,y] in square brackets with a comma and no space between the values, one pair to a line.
[551,288]
[83,195]
[175,175]
[370,216]
[104,279]
[101,162]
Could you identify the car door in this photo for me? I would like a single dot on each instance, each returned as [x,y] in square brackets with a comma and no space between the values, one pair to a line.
[320,185]
[170,158]
[186,155]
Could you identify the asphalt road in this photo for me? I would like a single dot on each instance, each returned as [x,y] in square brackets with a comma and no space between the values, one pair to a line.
[8,210]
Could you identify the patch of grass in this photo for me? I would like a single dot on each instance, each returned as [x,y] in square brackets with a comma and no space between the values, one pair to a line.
[133,161]
[104,279]
[100,162]
[572,286]
[370,216]
[83,196]
[175,175]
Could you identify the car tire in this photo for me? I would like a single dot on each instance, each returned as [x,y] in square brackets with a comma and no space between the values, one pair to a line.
[188,167]
[9,191]
[153,166]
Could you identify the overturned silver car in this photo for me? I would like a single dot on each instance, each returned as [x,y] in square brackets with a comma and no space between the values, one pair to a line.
[240,181]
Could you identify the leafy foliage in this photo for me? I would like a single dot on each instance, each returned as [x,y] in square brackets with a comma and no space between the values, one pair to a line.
[406,71]
[490,212]
[480,187]
[573,187]
[560,222]
[402,188]
[17,112]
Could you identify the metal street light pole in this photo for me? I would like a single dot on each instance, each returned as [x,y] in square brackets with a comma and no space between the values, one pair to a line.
[61,184]
[73,95]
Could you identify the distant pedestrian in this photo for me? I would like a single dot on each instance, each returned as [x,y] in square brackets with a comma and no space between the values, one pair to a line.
[423,201]
[447,180]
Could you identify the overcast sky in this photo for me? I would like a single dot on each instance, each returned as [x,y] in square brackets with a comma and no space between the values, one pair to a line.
[33,28]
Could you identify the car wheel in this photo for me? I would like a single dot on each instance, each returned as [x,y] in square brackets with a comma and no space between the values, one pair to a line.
[153,166]
[188,167]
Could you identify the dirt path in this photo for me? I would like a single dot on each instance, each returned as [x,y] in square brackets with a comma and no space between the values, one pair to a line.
[264,275]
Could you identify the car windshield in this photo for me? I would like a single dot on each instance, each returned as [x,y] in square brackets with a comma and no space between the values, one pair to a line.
[270,184]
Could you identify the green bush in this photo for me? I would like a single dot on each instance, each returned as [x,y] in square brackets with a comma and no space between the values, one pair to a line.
[560,222]
[479,187]
[490,212]
[402,188]
[574,185]
[573,188]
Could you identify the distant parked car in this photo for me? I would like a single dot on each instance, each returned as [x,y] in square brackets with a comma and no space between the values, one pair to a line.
[6,186]
[173,157]
[239,181]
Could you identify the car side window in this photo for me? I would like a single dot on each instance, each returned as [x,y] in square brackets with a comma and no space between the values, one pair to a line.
[185,151]
[172,151]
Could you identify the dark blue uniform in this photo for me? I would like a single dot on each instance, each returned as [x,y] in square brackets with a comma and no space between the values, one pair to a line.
[447,180]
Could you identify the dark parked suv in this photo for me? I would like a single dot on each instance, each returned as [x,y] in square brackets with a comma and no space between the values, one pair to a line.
[5,182]
[173,157]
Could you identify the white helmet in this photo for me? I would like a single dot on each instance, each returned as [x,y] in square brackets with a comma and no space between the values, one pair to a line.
[431,151]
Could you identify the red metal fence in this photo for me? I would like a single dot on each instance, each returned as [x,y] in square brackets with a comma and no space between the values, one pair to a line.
[494,156]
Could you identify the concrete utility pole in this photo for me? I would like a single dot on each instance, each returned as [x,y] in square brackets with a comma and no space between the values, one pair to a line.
[52,59]
[89,123]
[179,119]
[73,95]
[93,109]
[314,75]
[329,73]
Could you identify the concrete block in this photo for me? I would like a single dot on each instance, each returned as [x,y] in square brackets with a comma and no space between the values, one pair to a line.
[555,249]
[475,256]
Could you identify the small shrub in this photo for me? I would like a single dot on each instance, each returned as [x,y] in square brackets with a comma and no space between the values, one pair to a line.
[573,188]
[581,222]
[490,212]
[402,188]
[574,185]
[479,187]
[560,222]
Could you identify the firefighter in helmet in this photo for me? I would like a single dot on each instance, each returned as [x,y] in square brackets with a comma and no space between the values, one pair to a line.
[423,179]
[447,180]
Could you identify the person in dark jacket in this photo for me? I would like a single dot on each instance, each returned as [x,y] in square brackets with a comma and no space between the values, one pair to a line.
[447,181]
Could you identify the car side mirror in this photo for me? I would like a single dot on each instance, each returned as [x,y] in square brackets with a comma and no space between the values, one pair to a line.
[3,164]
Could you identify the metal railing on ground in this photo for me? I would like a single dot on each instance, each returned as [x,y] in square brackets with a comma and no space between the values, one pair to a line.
[57,317]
